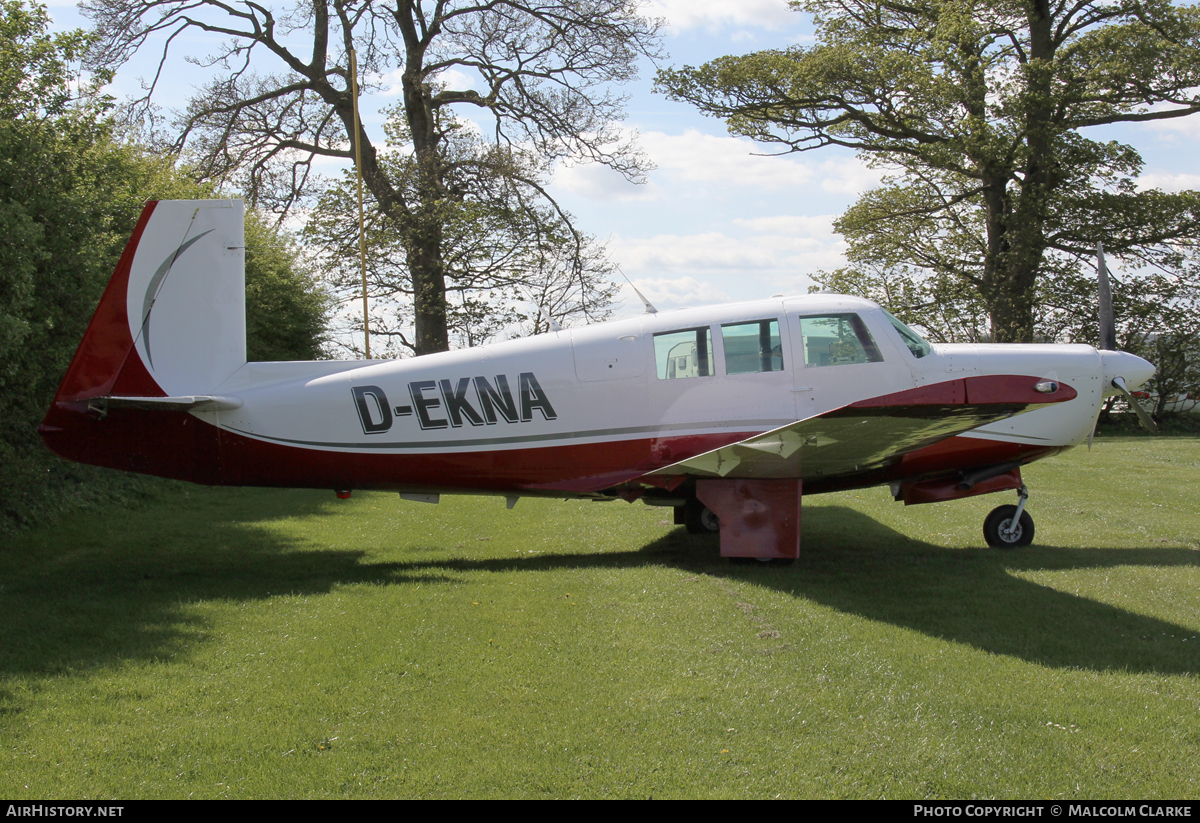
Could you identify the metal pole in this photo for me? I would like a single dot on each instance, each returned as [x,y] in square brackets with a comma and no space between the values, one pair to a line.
[362,243]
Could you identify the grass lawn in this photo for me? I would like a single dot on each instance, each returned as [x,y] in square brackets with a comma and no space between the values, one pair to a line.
[261,643]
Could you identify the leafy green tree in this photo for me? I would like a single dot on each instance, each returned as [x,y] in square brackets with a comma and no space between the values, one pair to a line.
[1176,384]
[975,108]
[287,310]
[1159,319]
[70,195]
[61,231]
[540,72]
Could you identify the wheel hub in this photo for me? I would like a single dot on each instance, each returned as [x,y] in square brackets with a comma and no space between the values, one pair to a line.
[1010,530]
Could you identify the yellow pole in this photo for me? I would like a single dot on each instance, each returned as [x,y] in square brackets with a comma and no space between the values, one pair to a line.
[362,243]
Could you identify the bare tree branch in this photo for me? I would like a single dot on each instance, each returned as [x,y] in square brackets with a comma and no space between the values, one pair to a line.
[543,69]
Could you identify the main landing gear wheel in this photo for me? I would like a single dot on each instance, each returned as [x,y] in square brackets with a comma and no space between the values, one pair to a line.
[699,518]
[1005,529]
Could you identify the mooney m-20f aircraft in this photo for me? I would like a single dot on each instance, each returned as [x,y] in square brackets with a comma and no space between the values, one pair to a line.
[729,414]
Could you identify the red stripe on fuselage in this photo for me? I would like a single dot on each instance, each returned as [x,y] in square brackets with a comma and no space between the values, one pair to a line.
[181,446]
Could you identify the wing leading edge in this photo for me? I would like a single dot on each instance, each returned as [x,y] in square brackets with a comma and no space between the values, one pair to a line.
[874,433]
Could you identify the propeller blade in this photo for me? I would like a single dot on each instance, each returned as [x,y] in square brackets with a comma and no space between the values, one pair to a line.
[1108,321]
[1143,415]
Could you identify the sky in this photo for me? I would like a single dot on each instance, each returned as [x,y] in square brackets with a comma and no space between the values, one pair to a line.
[718,219]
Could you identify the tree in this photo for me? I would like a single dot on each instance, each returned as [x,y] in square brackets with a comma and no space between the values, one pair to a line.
[65,207]
[287,310]
[1160,320]
[70,196]
[510,260]
[976,107]
[1176,383]
[539,70]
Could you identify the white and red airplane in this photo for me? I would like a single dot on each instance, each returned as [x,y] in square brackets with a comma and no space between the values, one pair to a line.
[729,414]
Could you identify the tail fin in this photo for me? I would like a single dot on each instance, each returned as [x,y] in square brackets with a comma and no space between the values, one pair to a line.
[171,322]
[173,318]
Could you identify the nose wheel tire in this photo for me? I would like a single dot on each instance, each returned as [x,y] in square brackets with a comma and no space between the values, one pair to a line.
[1001,532]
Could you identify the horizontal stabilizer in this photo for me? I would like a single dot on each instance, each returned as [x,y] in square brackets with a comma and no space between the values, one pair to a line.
[186,403]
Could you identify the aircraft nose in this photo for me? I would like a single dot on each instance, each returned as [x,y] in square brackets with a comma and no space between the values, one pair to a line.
[1133,369]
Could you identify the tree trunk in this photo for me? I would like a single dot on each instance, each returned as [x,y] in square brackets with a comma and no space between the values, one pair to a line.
[1013,287]
[423,242]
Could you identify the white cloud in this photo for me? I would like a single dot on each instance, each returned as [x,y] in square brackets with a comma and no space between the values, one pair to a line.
[848,175]
[697,157]
[779,249]
[1182,129]
[708,251]
[390,82]
[456,79]
[726,162]
[719,14]
[1172,128]
[598,182]
[819,225]
[1168,181]
[665,292]
[690,158]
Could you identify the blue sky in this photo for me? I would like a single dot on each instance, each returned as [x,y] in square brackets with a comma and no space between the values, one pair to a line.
[717,221]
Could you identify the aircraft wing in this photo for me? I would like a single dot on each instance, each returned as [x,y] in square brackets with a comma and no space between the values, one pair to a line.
[873,433]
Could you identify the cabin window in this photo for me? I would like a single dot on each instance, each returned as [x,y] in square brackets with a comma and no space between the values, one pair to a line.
[837,340]
[684,353]
[752,347]
[916,344]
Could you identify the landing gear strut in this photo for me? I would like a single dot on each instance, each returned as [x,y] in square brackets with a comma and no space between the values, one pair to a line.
[1009,527]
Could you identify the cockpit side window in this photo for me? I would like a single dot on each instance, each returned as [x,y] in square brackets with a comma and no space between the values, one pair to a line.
[684,353]
[915,343]
[837,340]
[752,347]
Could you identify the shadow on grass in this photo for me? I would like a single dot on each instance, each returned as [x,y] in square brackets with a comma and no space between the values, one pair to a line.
[103,588]
[853,563]
[81,599]
[857,565]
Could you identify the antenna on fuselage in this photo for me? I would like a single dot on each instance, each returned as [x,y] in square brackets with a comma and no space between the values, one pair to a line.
[649,306]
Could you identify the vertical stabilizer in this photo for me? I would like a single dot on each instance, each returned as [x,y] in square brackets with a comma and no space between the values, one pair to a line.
[186,299]
[173,318]
[172,322]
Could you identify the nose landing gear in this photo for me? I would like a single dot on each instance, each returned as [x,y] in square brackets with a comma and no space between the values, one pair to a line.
[1009,527]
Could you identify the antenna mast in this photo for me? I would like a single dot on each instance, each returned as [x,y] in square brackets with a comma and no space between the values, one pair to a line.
[362,243]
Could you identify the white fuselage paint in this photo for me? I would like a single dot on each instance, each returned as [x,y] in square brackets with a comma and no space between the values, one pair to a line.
[600,383]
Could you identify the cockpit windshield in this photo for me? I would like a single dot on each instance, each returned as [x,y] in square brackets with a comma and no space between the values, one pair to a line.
[916,344]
